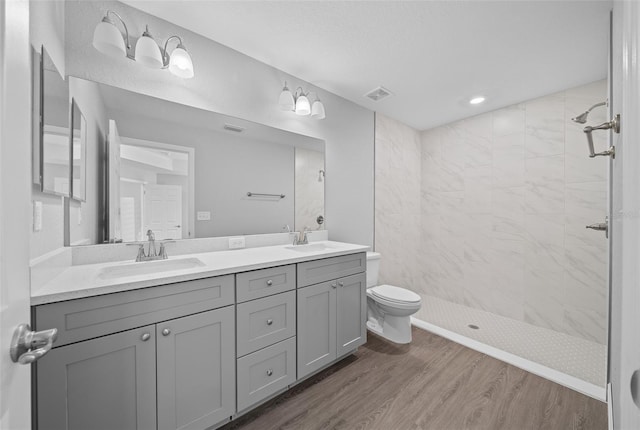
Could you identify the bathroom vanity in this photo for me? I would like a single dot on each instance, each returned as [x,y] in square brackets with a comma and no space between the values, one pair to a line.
[194,347]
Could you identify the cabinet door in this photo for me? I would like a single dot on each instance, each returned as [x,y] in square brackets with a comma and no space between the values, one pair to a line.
[316,327]
[196,370]
[104,383]
[352,313]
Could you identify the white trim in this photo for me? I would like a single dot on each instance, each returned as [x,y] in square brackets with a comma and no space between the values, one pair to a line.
[587,388]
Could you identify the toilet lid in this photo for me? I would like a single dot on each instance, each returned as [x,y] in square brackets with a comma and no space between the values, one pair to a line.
[396,294]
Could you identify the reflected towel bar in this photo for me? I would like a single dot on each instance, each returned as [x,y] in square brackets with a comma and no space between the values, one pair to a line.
[250,194]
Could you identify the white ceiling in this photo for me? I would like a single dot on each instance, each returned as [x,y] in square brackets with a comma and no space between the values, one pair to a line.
[433,55]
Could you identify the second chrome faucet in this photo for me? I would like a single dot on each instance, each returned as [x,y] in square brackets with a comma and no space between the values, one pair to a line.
[152,254]
[302,238]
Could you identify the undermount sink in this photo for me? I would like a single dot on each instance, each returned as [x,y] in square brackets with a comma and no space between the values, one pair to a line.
[149,267]
[311,247]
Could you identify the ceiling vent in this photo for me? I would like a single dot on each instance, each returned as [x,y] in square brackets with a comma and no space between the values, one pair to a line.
[378,94]
[234,128]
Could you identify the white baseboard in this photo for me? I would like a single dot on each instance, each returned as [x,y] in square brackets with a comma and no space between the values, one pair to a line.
[587,388]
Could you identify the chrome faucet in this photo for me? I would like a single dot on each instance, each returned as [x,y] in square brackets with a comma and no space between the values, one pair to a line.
[152,244]
[152,254]
[302,238]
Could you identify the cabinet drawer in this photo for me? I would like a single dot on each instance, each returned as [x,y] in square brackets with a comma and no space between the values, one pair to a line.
[91,317]
[265,282]
[265,321]
[266,372]
[316,271]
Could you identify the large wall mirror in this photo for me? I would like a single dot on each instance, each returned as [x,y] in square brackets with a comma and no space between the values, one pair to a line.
[185,172]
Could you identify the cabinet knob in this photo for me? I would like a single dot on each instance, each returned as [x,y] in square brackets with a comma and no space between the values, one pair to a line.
[269,372]
[166,332]
[269,282]
[269,321]
[341,283]
[145,337]
[334,285]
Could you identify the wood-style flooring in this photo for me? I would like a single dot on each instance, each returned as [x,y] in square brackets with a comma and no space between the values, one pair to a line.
[432,383]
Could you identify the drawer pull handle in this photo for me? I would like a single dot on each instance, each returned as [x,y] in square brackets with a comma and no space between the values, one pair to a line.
[269,321]
[341,283]
[334,285]
[269,372]
[145,337]
[166,332]
[269,282]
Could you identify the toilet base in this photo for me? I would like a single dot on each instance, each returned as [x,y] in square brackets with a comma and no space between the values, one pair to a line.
[395,329]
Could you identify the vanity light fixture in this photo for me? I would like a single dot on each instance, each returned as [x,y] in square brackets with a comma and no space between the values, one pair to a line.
[108,39]
[298,102]
[476,100]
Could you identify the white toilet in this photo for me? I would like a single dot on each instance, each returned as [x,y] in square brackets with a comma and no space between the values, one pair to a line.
[389,307]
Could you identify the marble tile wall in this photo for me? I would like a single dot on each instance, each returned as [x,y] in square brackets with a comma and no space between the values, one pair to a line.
[397,201]
[504,198]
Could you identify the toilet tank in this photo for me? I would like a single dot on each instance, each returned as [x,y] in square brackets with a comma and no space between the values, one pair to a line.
[373,266]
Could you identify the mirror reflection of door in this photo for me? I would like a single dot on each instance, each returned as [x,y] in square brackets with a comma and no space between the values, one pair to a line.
[153,184]
[163,210]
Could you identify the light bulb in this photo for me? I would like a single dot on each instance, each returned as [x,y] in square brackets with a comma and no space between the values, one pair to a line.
[148,51]
[302,105]
[180,63]
[317,110]
[108,39]
[286,101]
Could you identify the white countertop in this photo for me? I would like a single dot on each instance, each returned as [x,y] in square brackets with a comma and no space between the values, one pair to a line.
[85,281]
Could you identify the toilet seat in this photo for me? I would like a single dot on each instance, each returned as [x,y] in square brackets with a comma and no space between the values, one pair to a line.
[392,294]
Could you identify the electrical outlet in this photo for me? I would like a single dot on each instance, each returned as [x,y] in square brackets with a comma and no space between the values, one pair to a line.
[204,216]
[236,242]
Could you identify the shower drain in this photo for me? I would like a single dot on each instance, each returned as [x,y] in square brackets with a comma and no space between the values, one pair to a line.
[473,326]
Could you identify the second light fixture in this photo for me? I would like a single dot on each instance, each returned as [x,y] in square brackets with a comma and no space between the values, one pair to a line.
[298,102]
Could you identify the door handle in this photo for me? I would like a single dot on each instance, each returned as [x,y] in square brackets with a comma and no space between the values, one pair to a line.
[28,346]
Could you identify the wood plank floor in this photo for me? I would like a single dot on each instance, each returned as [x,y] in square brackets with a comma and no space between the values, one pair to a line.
[432,383]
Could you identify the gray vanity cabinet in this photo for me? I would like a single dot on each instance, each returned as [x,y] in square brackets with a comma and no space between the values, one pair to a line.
[351,313]
[105,383]
[331,315]
[196,370]
[176,373]
[316,327]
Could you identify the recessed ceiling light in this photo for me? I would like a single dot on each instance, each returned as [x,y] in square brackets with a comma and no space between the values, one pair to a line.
[476,100]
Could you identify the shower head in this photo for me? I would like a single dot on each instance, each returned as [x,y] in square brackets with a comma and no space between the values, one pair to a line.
[582,118]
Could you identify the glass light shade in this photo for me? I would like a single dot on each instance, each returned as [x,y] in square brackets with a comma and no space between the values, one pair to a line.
[302,105]
[180,63]
[317,110]
[108,40]
[148,52]
[286,101]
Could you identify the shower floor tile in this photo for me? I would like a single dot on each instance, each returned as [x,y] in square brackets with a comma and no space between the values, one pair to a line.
[571,355]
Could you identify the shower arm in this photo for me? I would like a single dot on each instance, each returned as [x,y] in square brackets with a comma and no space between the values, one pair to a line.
[614,125]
